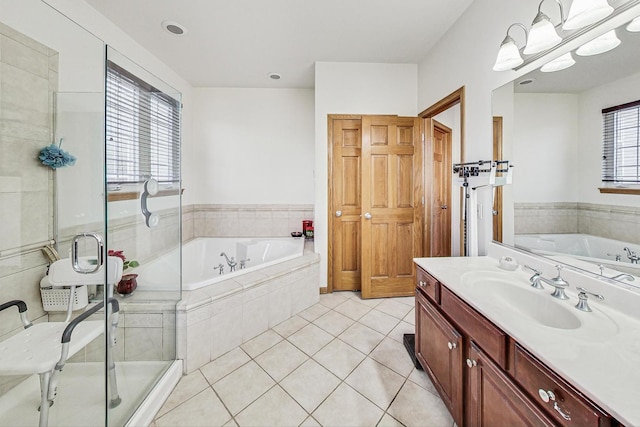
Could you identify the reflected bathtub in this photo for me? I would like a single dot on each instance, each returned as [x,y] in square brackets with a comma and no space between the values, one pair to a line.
[585,247]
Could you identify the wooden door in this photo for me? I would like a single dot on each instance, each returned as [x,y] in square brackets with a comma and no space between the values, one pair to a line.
[497,201]
[391,205]
[441,172]
[494,400]
[344,248]
[439,349]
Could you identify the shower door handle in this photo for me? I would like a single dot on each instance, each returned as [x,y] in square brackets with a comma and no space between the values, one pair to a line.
[75,261]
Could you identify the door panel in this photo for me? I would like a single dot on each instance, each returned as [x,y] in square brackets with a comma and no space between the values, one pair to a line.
[345,187]
[391,185]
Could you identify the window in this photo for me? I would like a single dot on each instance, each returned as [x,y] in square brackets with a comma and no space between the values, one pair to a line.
[142,130]
[621,145]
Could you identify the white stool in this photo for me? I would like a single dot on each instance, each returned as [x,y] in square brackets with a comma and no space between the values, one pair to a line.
[44,348]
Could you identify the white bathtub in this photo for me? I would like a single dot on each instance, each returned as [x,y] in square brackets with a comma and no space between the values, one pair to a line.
[201,256]
[581,246]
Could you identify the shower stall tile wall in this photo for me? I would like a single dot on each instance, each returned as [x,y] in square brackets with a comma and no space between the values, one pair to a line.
[28,81]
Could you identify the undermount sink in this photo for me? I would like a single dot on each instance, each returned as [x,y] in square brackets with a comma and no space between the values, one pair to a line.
[539,306]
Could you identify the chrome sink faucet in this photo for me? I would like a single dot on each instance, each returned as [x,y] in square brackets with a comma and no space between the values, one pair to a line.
[624,276]
[558,283]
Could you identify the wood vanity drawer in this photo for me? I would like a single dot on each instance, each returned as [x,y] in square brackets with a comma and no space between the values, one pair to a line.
[428,284]
[484,333]
[536,380]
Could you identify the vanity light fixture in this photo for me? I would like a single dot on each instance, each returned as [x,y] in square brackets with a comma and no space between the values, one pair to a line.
[560,63]
[543,34]
[634,26]
[509,54]
[586,12]
[602,44]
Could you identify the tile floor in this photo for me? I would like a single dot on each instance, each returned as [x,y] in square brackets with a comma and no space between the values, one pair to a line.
[341,362]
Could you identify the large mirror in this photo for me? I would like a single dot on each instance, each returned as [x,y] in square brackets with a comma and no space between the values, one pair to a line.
[552,131]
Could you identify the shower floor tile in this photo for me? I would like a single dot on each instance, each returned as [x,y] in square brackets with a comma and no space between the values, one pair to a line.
[80,400]
[361,377]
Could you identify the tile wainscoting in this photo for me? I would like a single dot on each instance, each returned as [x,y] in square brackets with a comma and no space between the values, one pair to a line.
[243,220]
[610,221]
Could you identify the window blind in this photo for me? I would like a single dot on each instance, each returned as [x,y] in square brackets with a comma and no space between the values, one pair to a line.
[621,144]
[142,130]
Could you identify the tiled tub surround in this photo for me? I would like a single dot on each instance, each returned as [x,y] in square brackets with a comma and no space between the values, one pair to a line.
[217,318]
[244,220]
[610,221]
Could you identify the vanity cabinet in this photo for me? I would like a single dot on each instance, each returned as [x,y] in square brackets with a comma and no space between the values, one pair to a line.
[439,349]
[485,377]
[493,399]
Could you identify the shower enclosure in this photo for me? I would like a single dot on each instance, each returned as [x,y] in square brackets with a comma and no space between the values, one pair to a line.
[53,93]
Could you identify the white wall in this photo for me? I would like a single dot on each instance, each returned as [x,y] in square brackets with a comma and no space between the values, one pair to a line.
[464,56]
[350,88]
[590,134]
[545,148]
[254,146]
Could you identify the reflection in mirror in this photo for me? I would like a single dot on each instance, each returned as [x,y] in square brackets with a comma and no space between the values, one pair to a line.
[559,205]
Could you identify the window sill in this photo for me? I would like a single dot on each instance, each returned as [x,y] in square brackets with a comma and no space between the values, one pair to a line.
[119,196]
[618,190]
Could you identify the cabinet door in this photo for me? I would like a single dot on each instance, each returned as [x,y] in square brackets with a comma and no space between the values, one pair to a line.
[439,351]
[494,400]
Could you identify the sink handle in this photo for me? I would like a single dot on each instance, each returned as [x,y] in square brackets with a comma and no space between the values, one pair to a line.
[583,297]
[535,279]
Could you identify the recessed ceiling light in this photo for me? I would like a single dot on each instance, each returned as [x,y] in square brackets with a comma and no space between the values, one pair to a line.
[174,28]
[526,81]
[274,76]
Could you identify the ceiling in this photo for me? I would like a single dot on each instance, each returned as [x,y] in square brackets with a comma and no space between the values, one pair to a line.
[588,71]
[237,43]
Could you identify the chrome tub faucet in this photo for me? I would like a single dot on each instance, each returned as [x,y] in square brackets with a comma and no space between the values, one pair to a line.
[230,262]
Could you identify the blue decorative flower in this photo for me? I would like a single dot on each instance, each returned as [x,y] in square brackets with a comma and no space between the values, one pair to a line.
[55,157]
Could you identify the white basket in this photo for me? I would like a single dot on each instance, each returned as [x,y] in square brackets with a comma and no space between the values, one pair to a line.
[57,299]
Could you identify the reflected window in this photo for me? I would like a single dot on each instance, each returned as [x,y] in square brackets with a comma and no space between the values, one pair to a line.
[142,130]
[621,146]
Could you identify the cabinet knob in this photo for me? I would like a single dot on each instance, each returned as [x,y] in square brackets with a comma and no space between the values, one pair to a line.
[422,283]
[546,396]
[471,363]
[451,345]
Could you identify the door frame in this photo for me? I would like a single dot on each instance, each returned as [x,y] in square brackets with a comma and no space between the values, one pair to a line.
[497,155]
[454,98]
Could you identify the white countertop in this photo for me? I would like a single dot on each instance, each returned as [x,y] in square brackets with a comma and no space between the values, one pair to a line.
[601,357]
